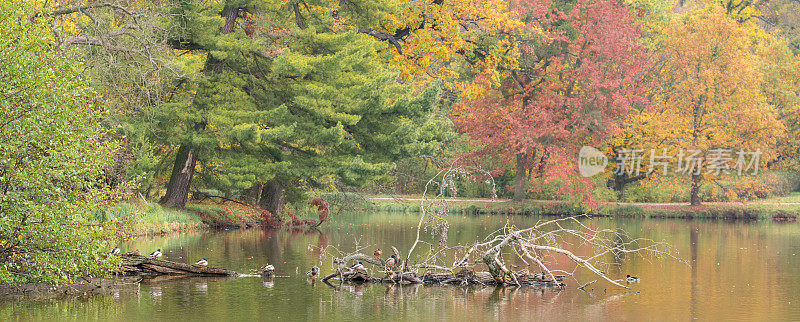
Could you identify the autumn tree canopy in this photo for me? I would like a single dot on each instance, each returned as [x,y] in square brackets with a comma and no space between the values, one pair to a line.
[709,92]
[578,71]
[253,99]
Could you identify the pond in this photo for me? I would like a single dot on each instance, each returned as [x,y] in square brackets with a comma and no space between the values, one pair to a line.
[738,271]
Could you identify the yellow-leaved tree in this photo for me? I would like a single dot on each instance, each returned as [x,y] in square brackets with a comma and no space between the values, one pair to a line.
[709,98]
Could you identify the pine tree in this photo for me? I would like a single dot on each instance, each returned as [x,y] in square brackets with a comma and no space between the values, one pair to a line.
[279,100]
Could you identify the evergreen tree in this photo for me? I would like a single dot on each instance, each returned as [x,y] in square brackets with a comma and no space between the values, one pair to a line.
[280,100]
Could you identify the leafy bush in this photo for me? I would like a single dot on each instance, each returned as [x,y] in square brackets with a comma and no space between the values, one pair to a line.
[604,194]
[52,155]
[732,188]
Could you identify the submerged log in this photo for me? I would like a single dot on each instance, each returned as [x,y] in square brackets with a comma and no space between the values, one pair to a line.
[138,264]
[358,257]
[468,277]
[463,277]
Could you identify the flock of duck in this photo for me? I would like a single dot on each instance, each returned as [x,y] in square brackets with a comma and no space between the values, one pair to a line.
[269,269]
[266,270]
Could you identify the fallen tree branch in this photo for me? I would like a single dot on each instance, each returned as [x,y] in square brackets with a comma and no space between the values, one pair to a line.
[132,263]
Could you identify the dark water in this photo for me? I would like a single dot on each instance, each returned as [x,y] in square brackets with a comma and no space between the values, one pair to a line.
[739,271]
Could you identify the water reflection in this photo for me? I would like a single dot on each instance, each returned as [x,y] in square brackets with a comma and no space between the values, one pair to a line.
[268,281]
[736,271]
[155,291]
[201,287]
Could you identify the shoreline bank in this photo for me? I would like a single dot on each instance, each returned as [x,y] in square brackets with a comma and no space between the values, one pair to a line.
[778,211]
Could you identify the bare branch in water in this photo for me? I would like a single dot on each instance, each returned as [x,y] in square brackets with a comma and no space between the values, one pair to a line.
[592,249]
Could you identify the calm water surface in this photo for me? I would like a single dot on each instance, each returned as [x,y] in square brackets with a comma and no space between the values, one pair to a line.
[739,271]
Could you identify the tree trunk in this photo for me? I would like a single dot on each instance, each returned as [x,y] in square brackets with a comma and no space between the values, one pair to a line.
[272,197]
[621,180]
[519,177]
[619,186]
[181,178]
[230,14]
[252,196]
[695,193]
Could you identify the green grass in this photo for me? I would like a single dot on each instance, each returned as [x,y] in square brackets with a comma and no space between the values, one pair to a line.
[791,197]
[150,218]
[564,208]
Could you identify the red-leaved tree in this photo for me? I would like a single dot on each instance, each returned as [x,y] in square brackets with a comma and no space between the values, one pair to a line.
[579,69]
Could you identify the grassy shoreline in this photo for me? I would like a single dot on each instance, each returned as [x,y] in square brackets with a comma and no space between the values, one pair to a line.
[728,211]
[142,219]
[145,219]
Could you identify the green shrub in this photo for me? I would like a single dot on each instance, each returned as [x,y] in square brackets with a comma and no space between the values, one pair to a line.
[604,194]
[54,148]
[629,211]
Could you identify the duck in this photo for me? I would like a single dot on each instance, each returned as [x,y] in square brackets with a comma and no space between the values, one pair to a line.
[115,251]
[378,252]
[391,262]
[523,272]
[202,262]
[268,269]
[156,254]
[632,279]
[312,273]
[359,267]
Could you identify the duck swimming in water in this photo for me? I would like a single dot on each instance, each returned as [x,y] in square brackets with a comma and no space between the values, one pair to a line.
[312,273]
[267,270]
[115,251]
[202,262]
[632,279]
[156,254]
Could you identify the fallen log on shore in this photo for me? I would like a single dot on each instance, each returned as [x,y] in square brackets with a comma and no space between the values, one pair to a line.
[138,264]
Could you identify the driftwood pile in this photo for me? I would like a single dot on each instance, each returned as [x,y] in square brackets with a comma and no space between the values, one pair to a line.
[138,264]
[462,277]
[468,277]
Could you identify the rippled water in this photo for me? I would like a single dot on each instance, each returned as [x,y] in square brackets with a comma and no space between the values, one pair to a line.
[739,271]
